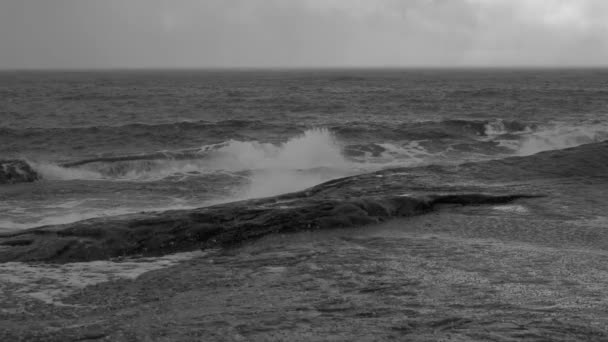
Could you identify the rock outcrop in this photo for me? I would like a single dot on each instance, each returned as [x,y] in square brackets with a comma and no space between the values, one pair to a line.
[222,225]
[16,171]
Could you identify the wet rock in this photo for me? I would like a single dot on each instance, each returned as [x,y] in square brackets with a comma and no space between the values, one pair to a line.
[218,226]
[16,171]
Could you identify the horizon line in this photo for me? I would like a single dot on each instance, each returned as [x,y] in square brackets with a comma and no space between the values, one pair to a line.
[313,68]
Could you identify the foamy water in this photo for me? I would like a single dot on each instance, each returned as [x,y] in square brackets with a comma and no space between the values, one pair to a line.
[51,283]
[557,136]
[315,149]
[251,169]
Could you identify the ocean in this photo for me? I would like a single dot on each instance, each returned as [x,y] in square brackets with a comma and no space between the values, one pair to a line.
[343,205]
[104,143]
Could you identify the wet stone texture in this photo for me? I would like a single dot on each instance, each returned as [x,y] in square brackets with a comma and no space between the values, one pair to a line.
[411,279]
[16,171]
[224,225]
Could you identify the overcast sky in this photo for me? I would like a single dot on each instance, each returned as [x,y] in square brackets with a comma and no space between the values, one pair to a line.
[302,33]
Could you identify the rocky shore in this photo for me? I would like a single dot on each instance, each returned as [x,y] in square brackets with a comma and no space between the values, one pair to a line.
[226,225]
[461,274]
[347,202]
[16,171]
[505,250]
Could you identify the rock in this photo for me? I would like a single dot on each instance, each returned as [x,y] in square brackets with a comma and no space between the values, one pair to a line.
[218,226]
[16,171]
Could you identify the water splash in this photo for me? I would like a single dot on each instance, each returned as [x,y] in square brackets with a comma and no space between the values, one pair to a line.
[313,149]
[498,127]
[301,162]
[55,172]
[557,136]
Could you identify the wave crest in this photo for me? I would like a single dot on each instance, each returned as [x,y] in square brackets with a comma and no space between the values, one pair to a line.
[314,149]
[300,162]
[317,155]
[556,137]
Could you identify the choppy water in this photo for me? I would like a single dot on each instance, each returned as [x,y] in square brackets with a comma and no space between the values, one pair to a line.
[109,143]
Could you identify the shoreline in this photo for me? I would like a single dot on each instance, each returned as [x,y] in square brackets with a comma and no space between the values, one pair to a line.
[427,253]
[224,225]
[427,277]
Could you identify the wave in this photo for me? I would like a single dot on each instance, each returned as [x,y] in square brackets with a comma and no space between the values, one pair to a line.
[359,140]
[209,133]
[182,125]
[84,142]
[484,140]
[141,138]
[426,130]
[584,161]
[315,148]
[461,140]
[270,169]
[556,137]
[298,163]
[319,154]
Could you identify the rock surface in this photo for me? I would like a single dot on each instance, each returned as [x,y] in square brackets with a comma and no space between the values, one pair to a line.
[223,225]
[534,270]
[16,171]
[462,274]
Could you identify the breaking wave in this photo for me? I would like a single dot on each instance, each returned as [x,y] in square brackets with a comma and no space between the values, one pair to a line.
[300,162]
[321,154]
[316,148]
[313,149]
[557,137]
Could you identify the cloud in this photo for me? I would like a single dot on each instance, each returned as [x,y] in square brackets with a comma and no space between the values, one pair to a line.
[540,32]
[279,33]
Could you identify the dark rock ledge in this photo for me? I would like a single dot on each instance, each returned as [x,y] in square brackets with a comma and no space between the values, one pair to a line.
[16,171]
[217,226]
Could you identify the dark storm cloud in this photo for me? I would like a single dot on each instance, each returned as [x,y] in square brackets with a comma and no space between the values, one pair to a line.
[280,33]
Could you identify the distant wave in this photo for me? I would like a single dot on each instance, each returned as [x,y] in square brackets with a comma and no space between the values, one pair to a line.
[584,161]
[432,129]
[555,137]
[206,132]
[528,137]
[137,138]
[234,123]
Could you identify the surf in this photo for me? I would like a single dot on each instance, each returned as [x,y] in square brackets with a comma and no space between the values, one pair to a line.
[338,151]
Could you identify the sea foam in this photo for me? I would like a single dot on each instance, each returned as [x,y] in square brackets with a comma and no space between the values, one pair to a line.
[556,137]
[300,162]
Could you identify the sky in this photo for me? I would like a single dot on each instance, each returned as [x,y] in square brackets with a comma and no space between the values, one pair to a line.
[66,34]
